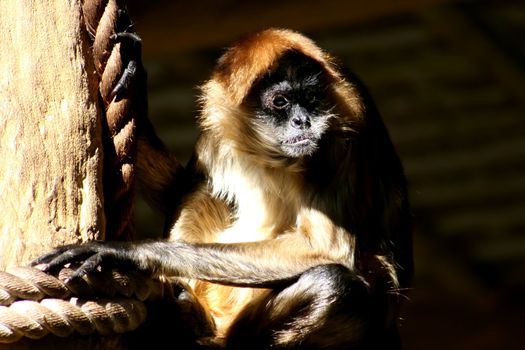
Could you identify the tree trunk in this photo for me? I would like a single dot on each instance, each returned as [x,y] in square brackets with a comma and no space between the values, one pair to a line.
[50,131]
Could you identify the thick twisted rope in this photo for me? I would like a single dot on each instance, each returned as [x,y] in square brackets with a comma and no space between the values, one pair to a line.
[34,304]
[104,19]
[35,319]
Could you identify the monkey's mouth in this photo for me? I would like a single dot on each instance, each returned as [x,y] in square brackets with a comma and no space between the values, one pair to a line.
[300,140]
[299,146]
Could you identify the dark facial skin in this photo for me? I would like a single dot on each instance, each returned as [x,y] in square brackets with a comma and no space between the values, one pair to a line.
[290,101]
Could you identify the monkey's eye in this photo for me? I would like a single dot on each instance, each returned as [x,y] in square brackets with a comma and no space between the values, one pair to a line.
[279,101]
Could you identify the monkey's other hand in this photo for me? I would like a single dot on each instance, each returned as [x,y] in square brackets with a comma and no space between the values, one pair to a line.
[131,50]
[92,254]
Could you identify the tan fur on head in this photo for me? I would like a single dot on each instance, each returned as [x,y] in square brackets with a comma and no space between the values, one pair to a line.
[239,69]
[246,61]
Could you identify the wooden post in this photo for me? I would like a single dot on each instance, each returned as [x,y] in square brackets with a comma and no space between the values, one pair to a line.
[50,131]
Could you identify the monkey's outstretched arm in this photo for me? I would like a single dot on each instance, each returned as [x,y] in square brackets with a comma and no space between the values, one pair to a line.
[254,264]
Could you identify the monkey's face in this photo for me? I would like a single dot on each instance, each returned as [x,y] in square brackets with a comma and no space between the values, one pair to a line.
[290,105]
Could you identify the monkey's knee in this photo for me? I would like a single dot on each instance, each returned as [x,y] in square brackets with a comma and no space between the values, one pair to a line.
[353,316]
[332,280]
[322,309]
[335,294]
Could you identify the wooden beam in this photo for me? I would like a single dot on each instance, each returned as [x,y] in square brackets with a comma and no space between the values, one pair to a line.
[455,29]
[173,27]
[473,159]
[489,221]
[473,190]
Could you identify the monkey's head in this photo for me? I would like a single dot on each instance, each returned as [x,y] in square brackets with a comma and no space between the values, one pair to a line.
[288,105]
[276,95]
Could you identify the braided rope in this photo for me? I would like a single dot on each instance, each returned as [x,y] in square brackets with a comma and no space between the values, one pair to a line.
[33,319]
[34,304]
[104,18]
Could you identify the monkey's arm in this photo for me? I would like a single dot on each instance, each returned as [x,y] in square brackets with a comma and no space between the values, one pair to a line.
[160,176]
[255,264]
[315,241]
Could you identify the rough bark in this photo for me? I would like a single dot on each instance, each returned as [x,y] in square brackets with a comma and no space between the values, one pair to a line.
[50,133]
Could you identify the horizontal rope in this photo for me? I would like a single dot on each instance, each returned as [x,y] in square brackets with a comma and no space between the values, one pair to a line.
[34,304]
[36,319]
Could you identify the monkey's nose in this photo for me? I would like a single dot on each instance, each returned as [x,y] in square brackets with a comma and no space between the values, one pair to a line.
[299,122]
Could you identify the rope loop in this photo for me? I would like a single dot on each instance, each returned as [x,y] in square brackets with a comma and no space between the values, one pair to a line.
[34,304]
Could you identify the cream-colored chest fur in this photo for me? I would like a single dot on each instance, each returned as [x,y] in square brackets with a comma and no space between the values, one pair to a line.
[265,206]
[265,202]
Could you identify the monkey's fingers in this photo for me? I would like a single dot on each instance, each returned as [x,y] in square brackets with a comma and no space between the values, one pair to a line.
[104,258]
[46,258]
[131,51]
[127,38]
[55,262]
[125,80]
[89,265]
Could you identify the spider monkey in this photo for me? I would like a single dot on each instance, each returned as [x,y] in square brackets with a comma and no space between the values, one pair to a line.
[294,231]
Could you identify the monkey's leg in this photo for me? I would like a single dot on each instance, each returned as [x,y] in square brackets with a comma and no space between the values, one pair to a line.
[328,307]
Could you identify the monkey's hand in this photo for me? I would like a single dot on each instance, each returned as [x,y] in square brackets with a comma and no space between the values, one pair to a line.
[92,256]
[131,51]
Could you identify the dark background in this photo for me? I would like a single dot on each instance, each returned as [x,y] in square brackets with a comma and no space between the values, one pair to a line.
[449,79]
